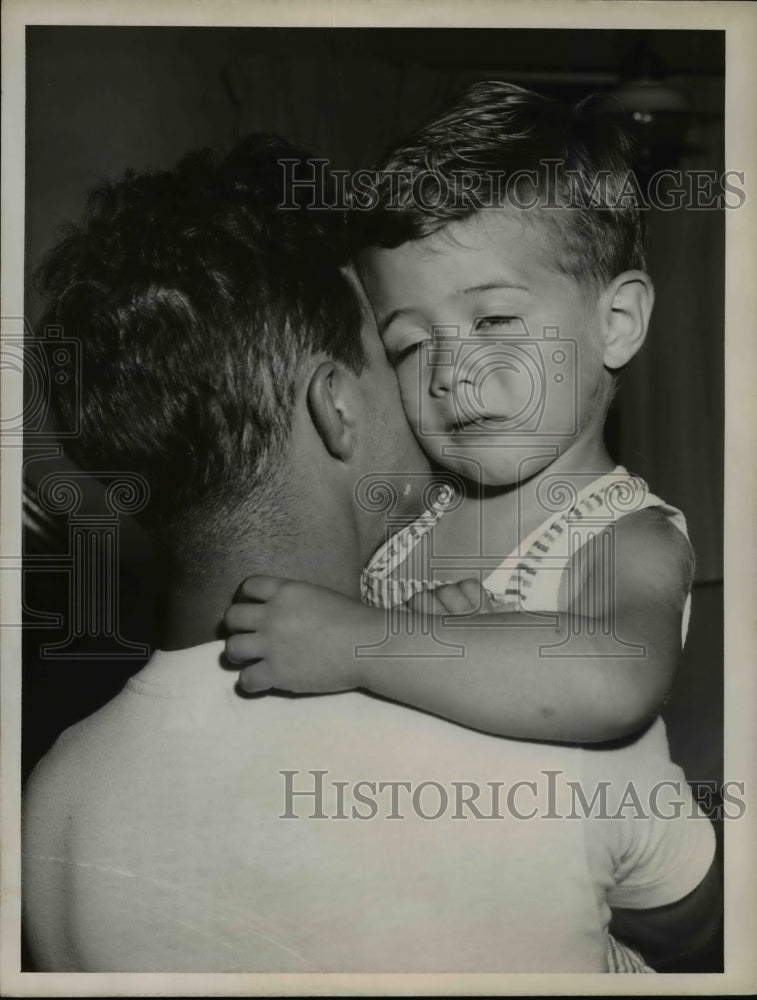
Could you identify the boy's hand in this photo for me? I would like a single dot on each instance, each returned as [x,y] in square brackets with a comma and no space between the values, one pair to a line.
[463,598]
[301,637]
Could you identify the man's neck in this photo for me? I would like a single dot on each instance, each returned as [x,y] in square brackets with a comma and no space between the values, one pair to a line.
[197,599]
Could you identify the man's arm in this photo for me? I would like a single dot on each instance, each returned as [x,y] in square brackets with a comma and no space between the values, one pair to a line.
[674,938]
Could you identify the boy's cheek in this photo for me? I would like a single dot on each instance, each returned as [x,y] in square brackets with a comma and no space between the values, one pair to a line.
[410,397]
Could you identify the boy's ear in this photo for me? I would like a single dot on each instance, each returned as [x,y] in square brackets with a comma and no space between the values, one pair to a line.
[327,403]
[627,306]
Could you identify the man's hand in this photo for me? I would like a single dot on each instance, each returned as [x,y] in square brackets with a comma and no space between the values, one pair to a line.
[467,597]
[301,637]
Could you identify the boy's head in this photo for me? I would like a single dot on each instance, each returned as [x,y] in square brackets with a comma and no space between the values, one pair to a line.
[197,302]
[506,234]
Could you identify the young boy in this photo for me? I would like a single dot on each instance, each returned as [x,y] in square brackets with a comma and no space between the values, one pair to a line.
[504,263]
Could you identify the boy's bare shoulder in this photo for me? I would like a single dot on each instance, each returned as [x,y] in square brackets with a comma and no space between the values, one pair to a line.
[650,551]
[650,536]
[651,559]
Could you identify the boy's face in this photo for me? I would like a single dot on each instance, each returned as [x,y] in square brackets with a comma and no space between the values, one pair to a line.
[499,355]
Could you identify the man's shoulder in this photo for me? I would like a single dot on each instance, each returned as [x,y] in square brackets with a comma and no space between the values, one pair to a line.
[98,742]
[70,760]
[644,756]
[638,807]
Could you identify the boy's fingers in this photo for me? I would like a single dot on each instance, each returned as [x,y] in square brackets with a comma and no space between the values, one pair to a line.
[243,647]
[256,678]
[479,599]
[417,602]
[425,603]
[454,599]
[244,617]
[258,588]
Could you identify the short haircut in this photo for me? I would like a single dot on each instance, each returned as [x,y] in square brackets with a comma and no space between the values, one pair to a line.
[556,156]
[195,298]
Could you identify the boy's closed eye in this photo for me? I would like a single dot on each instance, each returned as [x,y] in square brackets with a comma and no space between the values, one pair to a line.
[512,324]
[406,344]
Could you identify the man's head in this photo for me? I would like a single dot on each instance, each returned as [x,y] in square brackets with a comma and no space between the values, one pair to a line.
[203,310]
[505,224]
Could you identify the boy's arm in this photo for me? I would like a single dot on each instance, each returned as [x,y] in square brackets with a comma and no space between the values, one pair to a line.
[624,618]
[504,682]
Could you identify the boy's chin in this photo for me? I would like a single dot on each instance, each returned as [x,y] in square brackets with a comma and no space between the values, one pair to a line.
[500,472]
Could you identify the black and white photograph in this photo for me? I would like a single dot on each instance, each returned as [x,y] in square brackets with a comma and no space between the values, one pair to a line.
[378,498]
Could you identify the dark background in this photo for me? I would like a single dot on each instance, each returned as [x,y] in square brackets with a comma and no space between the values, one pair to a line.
[102,99]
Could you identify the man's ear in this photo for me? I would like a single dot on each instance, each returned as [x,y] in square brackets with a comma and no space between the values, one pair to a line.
[326,398]
[627,306]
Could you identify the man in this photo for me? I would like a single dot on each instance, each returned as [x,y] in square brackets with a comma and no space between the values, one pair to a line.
[229,360]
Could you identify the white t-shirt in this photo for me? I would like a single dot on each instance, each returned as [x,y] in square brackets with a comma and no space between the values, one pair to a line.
[154,836]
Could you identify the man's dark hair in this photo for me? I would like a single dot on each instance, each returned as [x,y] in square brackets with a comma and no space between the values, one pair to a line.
[556,156]
[194,298]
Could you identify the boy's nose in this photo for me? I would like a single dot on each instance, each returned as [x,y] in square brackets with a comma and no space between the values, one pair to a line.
[449,368]
[441,381]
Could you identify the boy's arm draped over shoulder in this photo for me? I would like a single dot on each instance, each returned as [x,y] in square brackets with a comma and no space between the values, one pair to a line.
[305,639]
